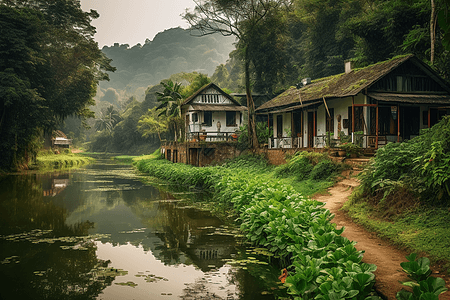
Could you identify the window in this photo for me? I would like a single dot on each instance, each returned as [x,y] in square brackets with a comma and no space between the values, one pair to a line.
[194,117]
[207,118]
[210,98]
[231,118]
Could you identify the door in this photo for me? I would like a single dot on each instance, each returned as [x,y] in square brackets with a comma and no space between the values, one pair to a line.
[312,125]
[193,156]
[186,128]
[280,126]
[359,119]
[410,121]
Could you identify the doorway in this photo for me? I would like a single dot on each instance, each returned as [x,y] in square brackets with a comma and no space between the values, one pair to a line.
[279,126]
[312,127]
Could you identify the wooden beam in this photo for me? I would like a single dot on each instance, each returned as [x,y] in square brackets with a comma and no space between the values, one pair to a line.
[301,125]
[398,123]
[326,106]
[376,139]
[292,124]
[362,105]
[353,114]
[314,125]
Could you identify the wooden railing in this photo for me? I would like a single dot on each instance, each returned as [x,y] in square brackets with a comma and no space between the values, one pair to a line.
[212,136]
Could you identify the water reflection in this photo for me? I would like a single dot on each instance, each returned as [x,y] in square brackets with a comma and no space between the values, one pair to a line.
[62,234]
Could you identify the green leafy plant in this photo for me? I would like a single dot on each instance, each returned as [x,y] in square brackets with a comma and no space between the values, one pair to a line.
[322,264]
[350,148]
[423,286]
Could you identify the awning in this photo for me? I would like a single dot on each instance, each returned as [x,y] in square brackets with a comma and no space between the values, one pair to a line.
[411,98]
[290,108]
[216,107]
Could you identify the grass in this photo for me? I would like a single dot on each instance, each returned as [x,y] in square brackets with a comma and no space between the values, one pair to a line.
[127,159]
[416,228]
[47,160]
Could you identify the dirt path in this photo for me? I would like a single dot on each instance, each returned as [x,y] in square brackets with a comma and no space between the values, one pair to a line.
[377,251]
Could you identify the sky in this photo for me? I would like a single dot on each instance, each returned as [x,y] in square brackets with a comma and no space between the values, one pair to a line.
[133,21]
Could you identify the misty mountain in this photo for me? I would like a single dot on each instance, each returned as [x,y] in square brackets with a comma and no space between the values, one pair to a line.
[171,51]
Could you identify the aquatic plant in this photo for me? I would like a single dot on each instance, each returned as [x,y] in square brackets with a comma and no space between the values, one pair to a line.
[321,264]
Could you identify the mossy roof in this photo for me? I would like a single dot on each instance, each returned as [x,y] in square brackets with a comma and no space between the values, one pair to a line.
[336,86]
[205,87]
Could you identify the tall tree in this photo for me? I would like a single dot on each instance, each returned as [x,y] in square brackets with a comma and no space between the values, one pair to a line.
[152,123]
[239,18]
[108,119]
[171,101]
[49,68]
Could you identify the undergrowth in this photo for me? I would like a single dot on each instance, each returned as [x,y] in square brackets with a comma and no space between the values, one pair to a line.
[322,264]
[405,194]
[47,160]
[406,223]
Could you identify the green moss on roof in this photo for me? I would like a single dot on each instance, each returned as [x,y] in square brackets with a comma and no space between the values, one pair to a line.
[355,86]
[337,86]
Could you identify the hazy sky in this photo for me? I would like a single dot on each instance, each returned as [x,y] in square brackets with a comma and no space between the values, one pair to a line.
[132,21]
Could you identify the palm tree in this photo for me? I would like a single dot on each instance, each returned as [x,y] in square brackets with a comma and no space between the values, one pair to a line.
[171,100]
[108,119]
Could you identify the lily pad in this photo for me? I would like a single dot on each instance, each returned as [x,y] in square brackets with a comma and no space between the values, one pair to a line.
[128,283]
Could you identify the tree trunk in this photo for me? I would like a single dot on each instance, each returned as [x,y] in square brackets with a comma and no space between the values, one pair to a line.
[432,30]
[252,137]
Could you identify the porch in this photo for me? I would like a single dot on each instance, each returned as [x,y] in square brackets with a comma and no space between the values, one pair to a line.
[212,136]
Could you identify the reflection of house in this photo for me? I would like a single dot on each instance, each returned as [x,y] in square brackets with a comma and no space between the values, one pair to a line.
[57,186]
[197,234]
[211,114]
[386,102]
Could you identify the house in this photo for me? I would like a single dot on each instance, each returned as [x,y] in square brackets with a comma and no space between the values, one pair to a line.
[57,139]
[211,114]
[390,101]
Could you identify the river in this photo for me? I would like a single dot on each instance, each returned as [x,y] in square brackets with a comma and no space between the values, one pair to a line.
[99,233]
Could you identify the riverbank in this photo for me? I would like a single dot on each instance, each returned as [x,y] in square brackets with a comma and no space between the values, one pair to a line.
[378,250]
[48,160]
[274,215]
[405,223]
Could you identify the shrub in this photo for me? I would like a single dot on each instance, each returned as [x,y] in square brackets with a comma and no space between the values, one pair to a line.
[421,164]
[323,170]
[301,165]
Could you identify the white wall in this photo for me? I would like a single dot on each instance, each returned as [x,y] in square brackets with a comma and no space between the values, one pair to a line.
[216,116]
[287,124]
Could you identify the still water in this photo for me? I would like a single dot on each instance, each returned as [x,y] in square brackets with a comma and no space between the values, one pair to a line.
[99,233]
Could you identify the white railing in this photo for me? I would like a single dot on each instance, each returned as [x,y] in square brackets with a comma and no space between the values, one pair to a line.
[285,142]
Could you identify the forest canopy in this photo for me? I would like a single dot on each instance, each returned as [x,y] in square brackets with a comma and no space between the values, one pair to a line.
[50,66]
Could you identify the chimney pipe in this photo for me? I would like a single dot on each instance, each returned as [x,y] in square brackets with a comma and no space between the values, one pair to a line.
[348,66]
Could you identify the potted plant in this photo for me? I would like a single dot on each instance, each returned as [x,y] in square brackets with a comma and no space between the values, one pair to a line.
[202,136]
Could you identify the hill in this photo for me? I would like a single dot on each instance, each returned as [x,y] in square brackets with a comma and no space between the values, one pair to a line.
[171,51]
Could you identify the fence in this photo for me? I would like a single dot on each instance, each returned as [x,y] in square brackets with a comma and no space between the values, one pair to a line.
[212,136]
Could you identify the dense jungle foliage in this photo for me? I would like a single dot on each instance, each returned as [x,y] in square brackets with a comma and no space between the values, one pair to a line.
[314,38]
[310,39]
[321,263]
[139,127]
[420,166]
[49,68]
[307,38]
[404,194]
